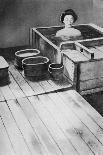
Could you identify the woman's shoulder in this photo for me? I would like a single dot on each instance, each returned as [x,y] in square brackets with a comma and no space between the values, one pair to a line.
[59,33]
[69,31]
[75,31]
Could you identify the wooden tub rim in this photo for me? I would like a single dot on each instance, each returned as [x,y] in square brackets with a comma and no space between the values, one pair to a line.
[31,49]
[55,67]
[45,62]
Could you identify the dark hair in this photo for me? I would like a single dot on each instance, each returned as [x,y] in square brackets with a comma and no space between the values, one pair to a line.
[68,12]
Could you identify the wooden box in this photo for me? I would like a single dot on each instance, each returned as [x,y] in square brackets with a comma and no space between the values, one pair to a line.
[75,57]
[85,67]
[91,74]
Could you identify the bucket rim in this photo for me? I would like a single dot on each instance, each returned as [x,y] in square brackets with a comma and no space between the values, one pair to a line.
[29,64]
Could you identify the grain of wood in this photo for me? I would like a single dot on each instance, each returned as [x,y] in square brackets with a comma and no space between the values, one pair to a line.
[91,84]
[62,141]
[75,55]
[90,91]
[7,93]
[70,68]
[65,125]
[37,88]
[5,144]
[89,70]
[79,126]
[1,96]
[54,85]
[97,53]
[87,107]
[37,124]
[28,133]
[84,117]
[21,81]
[46,86]
[89,54]
[14,87]
[16,137]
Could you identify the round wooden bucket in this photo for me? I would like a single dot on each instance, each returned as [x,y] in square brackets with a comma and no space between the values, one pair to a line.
[20,55]
[56,71]
[35,66]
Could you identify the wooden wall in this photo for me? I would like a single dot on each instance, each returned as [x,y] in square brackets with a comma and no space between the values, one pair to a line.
[17,16]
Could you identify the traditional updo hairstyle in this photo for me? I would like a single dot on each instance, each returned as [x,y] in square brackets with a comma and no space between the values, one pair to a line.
[68,12]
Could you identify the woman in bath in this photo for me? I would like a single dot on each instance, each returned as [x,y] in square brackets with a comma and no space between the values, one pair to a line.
[68,17]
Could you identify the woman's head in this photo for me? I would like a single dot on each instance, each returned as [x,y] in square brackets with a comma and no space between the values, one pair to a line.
[68,16]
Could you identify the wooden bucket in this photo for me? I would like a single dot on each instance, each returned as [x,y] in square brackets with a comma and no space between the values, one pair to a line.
[56,71]
[20,55]
[35,66]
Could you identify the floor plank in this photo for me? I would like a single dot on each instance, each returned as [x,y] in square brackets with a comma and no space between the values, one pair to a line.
[21,81]
[83,116]
[79,126]
[18,93]
[16,137]
[6,147]
[53,84]
[86,107]
[66,126]
[7,93]
[1,96]
[35,118]
[32,87]
[37,88]
[31,138]
[40,129]
[54,129]
[46,86]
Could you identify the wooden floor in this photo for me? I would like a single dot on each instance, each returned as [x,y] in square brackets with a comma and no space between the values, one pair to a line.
[37,119]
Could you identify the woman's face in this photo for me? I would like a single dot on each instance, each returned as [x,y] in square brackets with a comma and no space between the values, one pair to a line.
[68,20]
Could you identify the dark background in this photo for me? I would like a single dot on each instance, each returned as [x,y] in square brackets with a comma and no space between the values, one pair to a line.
[17,16]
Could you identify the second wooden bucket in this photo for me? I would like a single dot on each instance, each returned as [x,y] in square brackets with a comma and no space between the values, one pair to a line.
[36,67]
[22,54]
[56,71]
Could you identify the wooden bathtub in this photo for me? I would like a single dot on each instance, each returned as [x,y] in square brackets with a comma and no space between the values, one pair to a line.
[84,68]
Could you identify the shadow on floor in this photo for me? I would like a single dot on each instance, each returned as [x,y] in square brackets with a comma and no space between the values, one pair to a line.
[9,53]
[96,101]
